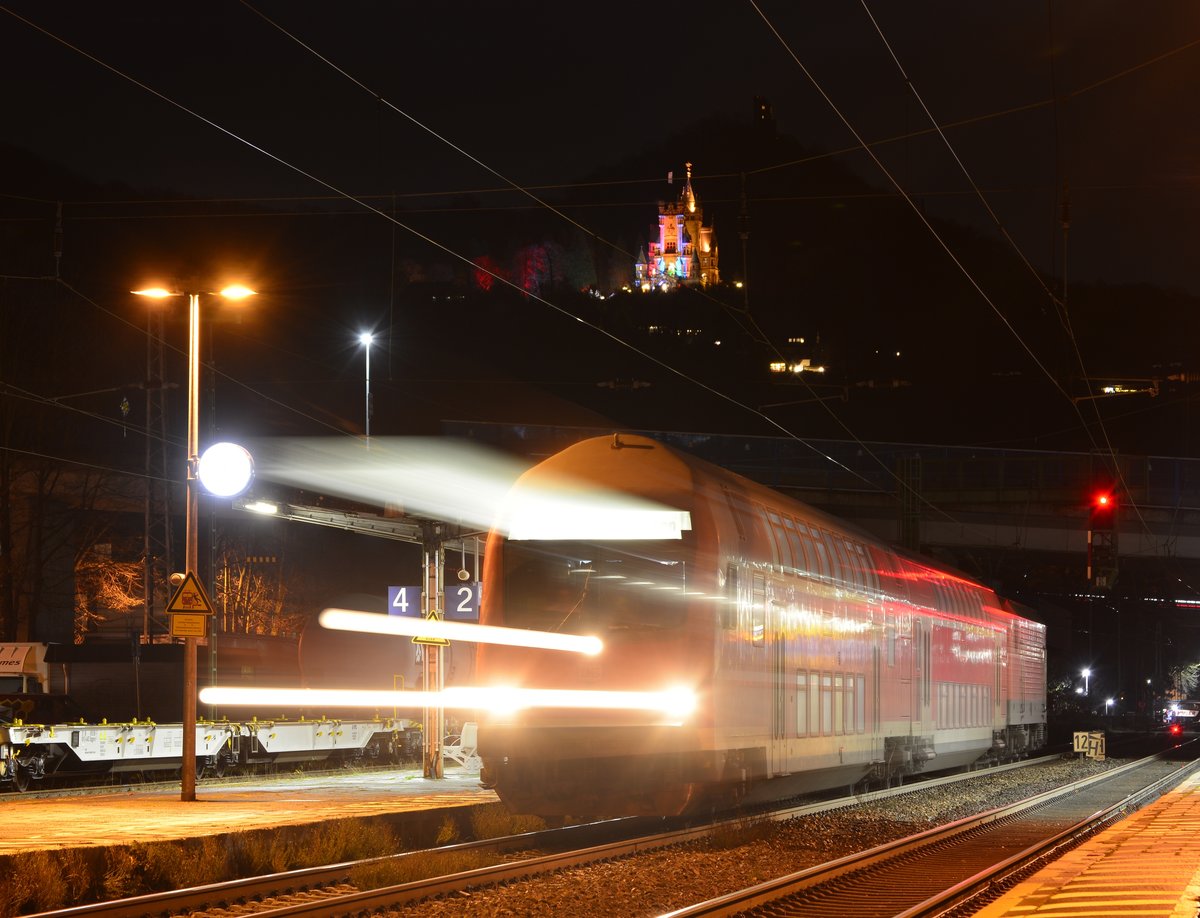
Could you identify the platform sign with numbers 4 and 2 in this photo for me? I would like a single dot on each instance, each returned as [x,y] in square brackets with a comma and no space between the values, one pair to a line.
[404,600]
[462,602]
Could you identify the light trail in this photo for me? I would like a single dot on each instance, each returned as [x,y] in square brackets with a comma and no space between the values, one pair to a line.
[674,703]
[374,623]
[455,480]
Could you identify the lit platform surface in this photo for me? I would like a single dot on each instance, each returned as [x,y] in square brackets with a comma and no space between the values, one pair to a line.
[1145,865]
[146,815]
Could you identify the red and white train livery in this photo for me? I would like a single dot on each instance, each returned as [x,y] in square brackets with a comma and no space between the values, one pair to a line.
[818,655]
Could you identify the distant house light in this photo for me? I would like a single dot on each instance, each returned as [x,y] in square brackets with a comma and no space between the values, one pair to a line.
[803,366]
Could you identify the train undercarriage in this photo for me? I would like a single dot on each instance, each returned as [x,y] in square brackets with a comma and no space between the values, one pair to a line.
[77,753]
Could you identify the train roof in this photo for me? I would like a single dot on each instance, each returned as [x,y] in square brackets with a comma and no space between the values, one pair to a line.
[666,474]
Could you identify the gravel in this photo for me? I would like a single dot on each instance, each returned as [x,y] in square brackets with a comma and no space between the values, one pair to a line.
[660,881]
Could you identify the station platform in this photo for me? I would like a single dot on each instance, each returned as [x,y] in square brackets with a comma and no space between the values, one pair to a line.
[153,814]
[1146,865]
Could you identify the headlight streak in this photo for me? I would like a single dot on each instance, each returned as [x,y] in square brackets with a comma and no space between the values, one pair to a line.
[456,480]
[675,704]
[374,623]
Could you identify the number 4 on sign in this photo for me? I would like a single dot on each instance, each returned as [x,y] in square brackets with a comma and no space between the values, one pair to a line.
[404,600]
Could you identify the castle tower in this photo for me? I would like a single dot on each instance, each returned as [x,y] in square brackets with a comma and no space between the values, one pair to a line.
[686,250]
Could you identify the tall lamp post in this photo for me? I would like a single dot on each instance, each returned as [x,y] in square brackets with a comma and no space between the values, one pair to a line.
[187,769]
[366,339]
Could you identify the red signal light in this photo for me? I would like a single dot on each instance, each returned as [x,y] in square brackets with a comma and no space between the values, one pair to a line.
[1176,730]
[1104,501]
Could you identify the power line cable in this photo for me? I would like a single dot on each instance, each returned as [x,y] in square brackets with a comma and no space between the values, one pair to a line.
[446,249]
[999,224]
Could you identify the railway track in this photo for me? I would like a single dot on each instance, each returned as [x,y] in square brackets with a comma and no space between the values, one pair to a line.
[949,867]
[338,889]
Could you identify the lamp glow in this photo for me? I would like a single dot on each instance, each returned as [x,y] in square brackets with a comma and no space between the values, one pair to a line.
[154,293]
[225,469]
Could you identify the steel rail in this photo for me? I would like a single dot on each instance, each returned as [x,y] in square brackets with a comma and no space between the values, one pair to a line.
[1042,852]
[314,878]
[773,893]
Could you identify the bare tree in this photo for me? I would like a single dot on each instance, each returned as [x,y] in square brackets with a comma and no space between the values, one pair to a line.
[105,588]
[1184,679]
[251,595]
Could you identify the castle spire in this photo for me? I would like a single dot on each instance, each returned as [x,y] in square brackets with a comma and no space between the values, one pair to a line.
[689,196]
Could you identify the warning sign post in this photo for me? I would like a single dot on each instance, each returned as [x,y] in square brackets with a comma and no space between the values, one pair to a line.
[190,609]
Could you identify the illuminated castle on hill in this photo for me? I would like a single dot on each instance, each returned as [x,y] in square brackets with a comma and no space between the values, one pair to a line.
[686,250]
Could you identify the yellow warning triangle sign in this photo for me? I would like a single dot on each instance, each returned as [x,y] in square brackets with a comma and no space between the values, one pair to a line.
[190,597]
[433,616]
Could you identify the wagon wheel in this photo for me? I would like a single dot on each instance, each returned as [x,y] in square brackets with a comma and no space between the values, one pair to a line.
[199,770]
[22,777]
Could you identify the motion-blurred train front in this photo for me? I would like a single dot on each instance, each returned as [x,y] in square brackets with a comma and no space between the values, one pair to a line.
[771,644]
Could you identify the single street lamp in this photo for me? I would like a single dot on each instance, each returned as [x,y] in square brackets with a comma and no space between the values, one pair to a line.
[1087,674]
[1107,704]
[187,771]
[366,339]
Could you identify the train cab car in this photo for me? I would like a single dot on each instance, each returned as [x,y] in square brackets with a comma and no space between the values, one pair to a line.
[797,654]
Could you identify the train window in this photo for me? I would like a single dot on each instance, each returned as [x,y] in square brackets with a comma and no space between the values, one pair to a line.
[729,606]
[758,609]
[858,565]
[860,703]
[849,576]
[814,704]
[817,565]
[825,542]
[822,555]
[739,510]
[801,703]
[826,704]
[848,707]
[870,578]
[839,707]
[782,550]
[802,563]
[581,588]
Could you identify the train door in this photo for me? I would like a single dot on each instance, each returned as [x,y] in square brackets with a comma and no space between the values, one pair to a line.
[782,688]
[922,655]
[873,723]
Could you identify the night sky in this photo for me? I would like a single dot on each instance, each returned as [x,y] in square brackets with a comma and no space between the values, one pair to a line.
[302,109]
[545,94]
[351,161]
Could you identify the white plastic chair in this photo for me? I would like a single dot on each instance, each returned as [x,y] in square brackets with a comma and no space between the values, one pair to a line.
[461,748]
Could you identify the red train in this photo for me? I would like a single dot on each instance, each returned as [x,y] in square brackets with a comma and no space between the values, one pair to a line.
[819,657]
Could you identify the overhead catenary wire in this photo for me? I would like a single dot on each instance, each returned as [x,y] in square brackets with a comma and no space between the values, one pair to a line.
[744,319]
[497,277]
[424,237]
[339,192]
[1060,303]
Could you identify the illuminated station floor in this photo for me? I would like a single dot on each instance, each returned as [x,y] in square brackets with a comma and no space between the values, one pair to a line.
[1146,865]
[143,815]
